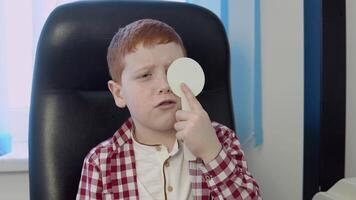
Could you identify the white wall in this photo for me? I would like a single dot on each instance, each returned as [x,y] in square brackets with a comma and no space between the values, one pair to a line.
[278,163]
[14,186]
[350,166]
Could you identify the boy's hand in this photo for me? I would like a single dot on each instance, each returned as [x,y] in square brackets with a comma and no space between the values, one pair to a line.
[195,129]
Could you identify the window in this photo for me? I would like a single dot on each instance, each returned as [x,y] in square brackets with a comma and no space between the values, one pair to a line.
[20,27]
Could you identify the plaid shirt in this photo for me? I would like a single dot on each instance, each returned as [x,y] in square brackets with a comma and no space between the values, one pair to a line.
[109,170]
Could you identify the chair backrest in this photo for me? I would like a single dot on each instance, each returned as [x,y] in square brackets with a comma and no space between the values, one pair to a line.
[71,108]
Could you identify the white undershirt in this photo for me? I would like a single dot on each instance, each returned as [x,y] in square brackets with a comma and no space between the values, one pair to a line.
[152,173]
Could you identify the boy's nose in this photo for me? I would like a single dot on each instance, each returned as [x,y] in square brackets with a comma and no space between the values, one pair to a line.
[164,86]
[165,90]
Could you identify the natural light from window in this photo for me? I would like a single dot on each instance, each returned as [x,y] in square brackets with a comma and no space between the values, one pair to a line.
[20,27]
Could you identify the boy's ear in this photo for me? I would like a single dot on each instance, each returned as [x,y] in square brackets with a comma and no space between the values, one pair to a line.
[115,90]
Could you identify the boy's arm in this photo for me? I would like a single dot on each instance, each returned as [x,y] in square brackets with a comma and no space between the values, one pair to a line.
[227,175]
[225,169]
[90,185]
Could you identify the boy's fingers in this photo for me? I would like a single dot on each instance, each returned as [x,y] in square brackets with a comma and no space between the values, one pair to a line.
[180,135]
[182,115]
[192,101]
[178,126]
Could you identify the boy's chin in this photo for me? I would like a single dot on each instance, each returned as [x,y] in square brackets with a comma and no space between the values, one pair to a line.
[165,125]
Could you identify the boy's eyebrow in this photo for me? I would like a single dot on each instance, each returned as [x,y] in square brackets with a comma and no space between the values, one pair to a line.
[150,66]
[147,67]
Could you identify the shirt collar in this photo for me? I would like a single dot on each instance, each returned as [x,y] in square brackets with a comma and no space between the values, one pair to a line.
[124,134]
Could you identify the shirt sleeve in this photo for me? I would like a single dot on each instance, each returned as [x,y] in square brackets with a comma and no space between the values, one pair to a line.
[227,175]
[90,185]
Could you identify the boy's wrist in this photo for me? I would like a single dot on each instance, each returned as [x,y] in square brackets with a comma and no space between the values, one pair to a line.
[211,155]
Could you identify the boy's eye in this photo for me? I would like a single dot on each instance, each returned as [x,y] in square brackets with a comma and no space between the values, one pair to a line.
[146,75]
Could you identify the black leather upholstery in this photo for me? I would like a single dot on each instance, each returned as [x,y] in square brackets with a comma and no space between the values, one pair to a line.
[71,107]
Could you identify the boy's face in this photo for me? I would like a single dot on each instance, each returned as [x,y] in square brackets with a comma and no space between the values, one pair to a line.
[144,88]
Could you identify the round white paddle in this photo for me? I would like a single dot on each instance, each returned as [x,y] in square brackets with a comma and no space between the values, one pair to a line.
[188,71]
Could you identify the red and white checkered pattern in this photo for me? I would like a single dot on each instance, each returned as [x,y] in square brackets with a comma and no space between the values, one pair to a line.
[109,170]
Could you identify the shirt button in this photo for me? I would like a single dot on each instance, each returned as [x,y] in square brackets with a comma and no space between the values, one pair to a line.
[207,177]
[166,164]
[158,148]
[170,188]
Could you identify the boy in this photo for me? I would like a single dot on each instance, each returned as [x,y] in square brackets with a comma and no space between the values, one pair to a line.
[145,158]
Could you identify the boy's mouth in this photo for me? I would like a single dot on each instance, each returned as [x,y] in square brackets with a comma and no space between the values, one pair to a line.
[166,103]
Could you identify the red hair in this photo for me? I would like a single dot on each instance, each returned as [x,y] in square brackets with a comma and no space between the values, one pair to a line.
[149,32]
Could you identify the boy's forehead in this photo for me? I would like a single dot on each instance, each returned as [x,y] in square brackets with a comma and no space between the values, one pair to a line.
[153,54]
[157,46]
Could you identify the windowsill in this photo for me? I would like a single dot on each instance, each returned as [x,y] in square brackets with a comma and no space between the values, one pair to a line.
[16,160]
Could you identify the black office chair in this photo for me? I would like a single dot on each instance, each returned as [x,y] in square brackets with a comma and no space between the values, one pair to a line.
[71,108]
